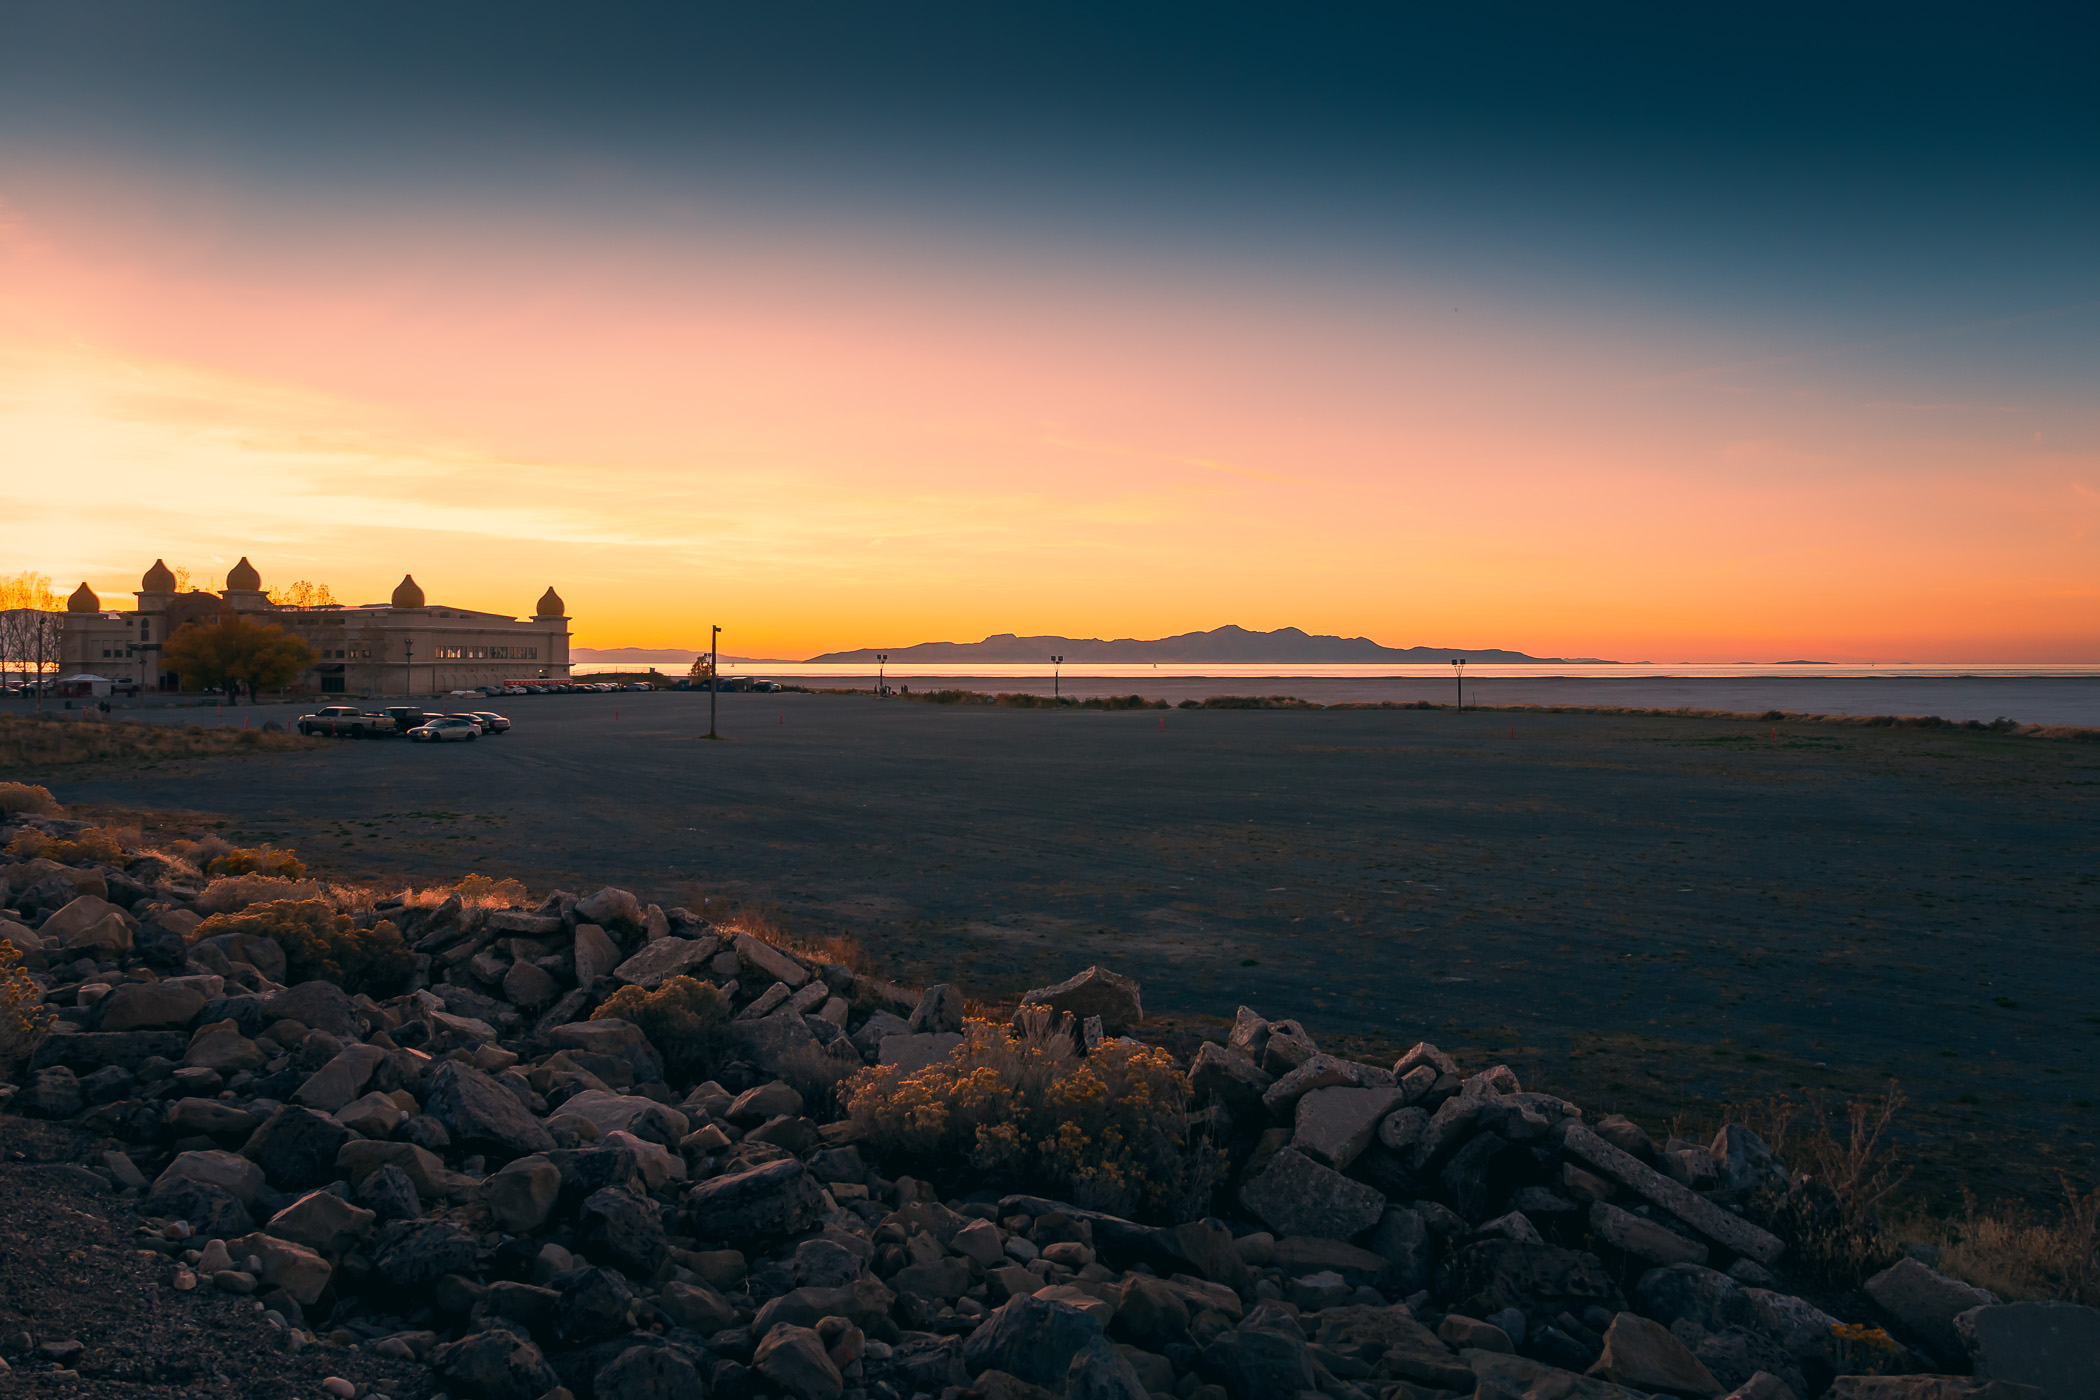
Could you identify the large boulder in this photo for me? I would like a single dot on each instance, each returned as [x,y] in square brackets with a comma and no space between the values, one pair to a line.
[145,1006]
[297,1148]
[1229,1076]
[1101,1372]
[595,954]
[618,1226]
[2050,1345]
[659,961]
[480,1113]
[286,1264]
[523,1194]
[1643,1354]
[1694,1293]
[629,1113]
[614,1038]
[1924,1303]
[213,1211]
[323,1222]
[648,1373]
[221,1047]
[1030,1337]
[1393,1343]
[51,1093]
[794,1360]
[229,1171]
[415,1253]
[319,1006]
[1259,1364]
[1296,1195]
[342,1079]
[776,1198]
[768,962]
[1641,1237]
[87,1051]
[84,923]
[1336,1124]
[914,1051]
[1094,992]
[1487,1276]
[496,1364]
[593,1305]
[610,906]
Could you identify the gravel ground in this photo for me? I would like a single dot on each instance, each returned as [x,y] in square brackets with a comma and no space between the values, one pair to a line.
[69,1272]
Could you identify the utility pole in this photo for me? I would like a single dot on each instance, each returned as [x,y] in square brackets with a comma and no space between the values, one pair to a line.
[714,678]
[1458,670]
[408,650]
[1056,678]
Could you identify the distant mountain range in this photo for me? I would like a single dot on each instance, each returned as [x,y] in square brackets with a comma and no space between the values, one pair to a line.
[1223,644]
[652,655]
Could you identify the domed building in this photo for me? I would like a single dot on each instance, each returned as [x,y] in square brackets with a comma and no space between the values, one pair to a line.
[404,646]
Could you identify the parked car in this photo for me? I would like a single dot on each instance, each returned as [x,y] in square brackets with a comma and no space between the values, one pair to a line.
[446,729]
[491,722]
[346,722]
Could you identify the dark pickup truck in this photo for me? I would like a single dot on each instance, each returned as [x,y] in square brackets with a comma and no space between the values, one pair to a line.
[347,722]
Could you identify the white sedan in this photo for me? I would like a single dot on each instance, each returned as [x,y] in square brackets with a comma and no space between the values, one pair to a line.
[446,729]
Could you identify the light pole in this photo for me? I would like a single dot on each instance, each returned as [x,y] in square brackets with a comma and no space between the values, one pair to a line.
[408,666]
[882,660]
[1458,671]
[714,677]
[1056,679]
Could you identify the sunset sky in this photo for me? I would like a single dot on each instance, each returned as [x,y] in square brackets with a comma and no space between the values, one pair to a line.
[1608,330]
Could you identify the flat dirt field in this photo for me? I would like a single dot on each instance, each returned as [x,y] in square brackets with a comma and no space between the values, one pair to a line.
[1654,915]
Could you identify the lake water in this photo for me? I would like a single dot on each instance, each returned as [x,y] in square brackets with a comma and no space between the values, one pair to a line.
[2030,694]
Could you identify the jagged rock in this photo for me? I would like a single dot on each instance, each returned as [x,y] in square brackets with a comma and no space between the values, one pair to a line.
[1738,1356]
[293,1267]
[769,962]
[612,1037]
[631,1113]
[412,1253]
[622,1227]
[697,1308]
[795,1360]
[666,958]
[322,1221]
[1322,1072]
[342,1079]
[1744,1162]
[865,1302]
[1259,1364]
[221,1047]
[91,1050]
[529,987]
[1297,1196]
[529,925]
[940,1011]
[1286,1046]
[1230,1076]
[522,1195]
[88,921]
[1205,1249]
[1151,1315]
[1924,1303]
[1033,1338]
[479,1112]
[594,1305]
[389,1194]
[1401,1238]
[1100,1372]
[1642,1353]
[212,1210]
[1731,1231]
[2048,1345]
[1521,1376]
[1930,1388]
[1094,992]
[374,1115]
[1393,1343]
[320,1006]
[1483,1172]
[595,953]
[51,1093]
[879,1026]
[1642,1238]
[647,1373]
[297,1148]
[229,1171]
[777,1198]
[610,906]
[139,1006]
[358,1160]
[497,1364]
[1763,1386]
[1490,1275]
[1694,1293]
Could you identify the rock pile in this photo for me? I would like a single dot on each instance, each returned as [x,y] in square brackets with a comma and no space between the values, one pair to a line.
[477,1175]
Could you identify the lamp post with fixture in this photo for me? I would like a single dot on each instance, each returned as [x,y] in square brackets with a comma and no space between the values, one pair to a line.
[882,686]
[1056,678]
[1458,672]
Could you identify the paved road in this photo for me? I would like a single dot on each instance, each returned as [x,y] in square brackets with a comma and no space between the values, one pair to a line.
[1596,892]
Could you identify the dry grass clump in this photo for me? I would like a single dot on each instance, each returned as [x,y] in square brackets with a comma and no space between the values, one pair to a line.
[321,944]
[2018,1253]
[94,845]
[1014,700]
[27,741]
[232,893]
[1250,702]
[684,1019]
[256,860]
[1022,1108]
[23,1015]
[1843,1155]
[27,797]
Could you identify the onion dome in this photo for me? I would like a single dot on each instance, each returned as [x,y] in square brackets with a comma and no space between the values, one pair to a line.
[242,578]
[83,600]
[159,579]
[408,595]
[550,604]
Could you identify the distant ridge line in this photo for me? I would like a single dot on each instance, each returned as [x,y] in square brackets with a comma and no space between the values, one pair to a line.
[1223,644]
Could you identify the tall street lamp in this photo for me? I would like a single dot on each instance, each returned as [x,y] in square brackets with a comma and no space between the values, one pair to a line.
[882,687]
[1458,670]
[1056,680]
[408,666]
[714,677]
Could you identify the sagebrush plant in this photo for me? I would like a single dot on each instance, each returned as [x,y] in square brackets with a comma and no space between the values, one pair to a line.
[27,797]
[23,1016]
[1832,1219]
[256,860]
[321,944]
[229,894]
[95,845]
[685,1020]
[1109,1131]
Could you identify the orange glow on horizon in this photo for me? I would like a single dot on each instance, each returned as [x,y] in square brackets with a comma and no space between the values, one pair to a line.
[831,443]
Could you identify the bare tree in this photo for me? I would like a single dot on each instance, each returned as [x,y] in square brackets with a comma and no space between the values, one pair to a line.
[30,619]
